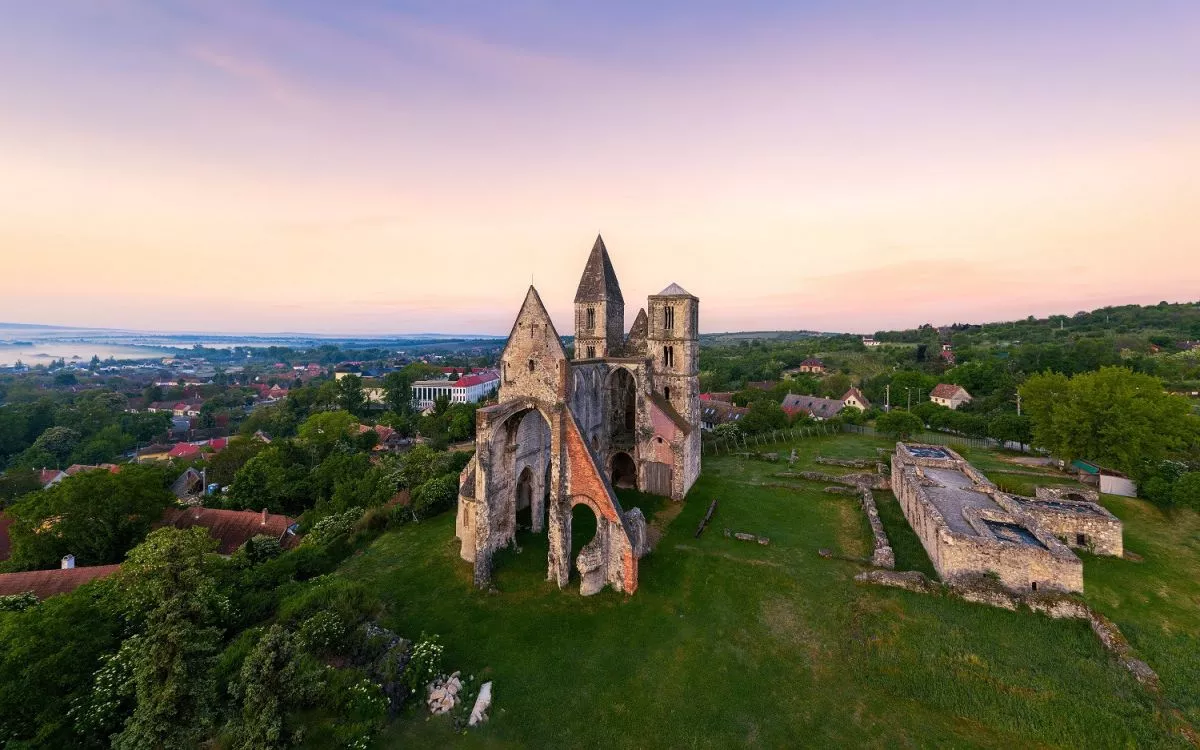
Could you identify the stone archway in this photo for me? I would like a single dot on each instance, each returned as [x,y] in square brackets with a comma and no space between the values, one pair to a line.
[624,471]
[587,547]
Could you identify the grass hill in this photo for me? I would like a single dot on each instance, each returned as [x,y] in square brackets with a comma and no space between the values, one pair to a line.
[729,643]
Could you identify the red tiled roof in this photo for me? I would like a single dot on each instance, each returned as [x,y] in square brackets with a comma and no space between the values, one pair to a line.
[218,444]
[46,583]
[76,468]
[479,379]
[946,390]
[231,528]
[46,476]
[184,450]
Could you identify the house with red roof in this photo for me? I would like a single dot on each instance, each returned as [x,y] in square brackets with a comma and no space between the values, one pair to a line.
[949,395]
[233,528]
[46,583]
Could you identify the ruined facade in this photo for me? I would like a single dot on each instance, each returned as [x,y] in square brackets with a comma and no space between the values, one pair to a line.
[624,410]
[970,528]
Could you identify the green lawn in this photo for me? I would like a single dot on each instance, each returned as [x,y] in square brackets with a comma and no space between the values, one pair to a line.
[729,643]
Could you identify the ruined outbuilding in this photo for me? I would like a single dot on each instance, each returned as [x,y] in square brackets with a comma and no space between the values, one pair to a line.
[624,410]
[971,528]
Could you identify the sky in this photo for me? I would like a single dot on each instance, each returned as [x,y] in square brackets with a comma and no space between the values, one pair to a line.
[398,167]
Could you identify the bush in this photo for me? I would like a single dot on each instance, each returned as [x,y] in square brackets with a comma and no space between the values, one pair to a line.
[426,663]
[899,424]
[435,496]
[330,528]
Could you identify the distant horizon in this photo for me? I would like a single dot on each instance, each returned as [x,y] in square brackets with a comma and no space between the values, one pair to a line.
[12,325]
[374,167]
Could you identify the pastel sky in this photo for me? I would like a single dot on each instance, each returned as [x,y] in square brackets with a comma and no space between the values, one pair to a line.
[305,165]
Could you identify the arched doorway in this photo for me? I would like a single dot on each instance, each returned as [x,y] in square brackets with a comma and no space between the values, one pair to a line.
[624,471]
[525,499]
[584,530]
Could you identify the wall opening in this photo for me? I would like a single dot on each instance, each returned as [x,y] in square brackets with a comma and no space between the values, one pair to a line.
[622,408]
[584,527]
[624,471]
[1081,540]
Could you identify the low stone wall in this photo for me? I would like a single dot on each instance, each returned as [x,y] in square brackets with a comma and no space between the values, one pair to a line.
[980,590]
[884,556]
[870,481]
[853,463]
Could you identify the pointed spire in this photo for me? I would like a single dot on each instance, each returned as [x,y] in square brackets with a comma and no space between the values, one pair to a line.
[635,342]
[599,280]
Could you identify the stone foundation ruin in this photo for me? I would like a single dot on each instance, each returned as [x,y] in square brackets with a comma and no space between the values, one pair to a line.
[970,528]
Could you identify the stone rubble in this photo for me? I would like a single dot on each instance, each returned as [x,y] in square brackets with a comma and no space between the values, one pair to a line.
[482,704]
[443,694]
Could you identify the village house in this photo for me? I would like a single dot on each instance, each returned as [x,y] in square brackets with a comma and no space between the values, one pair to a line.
[870,342]
[714,413]
[854,399]
[46,583]
[949,395]
[233,528]
[812,365]
[816,407]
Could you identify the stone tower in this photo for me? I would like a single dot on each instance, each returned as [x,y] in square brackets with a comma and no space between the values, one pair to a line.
[599,308]
[673,348]
[673,344]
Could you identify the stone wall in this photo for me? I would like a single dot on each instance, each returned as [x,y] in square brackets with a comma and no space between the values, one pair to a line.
[975,548]
[883,557]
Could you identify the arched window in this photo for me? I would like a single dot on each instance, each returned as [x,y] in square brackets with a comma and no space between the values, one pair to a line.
[591,318]
[669,318]
[591,352]
[667,392]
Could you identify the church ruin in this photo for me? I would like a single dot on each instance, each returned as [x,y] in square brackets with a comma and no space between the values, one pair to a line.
[624,411]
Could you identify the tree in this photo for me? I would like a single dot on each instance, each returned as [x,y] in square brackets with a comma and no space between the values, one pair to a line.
[224,466]
[350,395]
[59,442]
[1119,418]
[398,392]
[47,656]
[277,478]
[1186,492]
[95,515]
[762,417]
[324,431]
[166,586]
[1009,427]
[275,680]
[899,424]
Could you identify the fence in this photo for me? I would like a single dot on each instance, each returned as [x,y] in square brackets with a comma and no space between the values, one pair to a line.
[941,438]
[744,442]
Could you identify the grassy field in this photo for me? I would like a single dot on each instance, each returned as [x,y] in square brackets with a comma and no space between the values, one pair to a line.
[729,643]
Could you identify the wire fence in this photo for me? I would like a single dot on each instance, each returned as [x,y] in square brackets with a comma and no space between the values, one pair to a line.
[742,443]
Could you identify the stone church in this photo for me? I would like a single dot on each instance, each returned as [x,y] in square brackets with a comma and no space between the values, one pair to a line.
[623,411]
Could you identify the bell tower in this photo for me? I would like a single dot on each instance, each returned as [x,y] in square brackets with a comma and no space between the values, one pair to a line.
[599,308]
[673,345]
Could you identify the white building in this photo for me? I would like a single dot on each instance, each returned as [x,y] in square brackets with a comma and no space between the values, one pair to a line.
[469,389]
[949,395]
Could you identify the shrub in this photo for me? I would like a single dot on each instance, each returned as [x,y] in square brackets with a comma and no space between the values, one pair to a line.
[330,528]
[426,663]
[435,496]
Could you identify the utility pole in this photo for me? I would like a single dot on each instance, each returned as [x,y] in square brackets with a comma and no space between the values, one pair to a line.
[1018,403]
[887,399]
[909,392]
